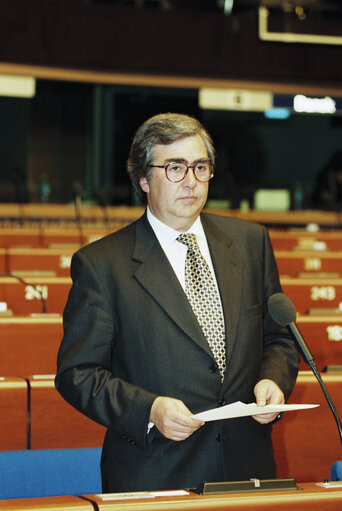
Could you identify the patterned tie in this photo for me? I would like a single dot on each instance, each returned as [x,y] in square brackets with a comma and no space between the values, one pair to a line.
[204,299]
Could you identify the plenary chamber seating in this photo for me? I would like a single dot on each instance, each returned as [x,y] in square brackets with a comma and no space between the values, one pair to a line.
[23,355]
[54,423]
[47,262]
[29,296]
[307,442]
[35,416]
[49,472]
[323,335]
[13,413]
[309,263]
[48,237]
[297,240]
[313,294]
[336,471]
[29,345]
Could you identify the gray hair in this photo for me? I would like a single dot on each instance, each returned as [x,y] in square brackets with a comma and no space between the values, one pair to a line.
[161,129]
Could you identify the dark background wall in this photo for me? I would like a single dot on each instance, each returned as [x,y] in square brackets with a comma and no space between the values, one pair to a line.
[187,41]
[77,132]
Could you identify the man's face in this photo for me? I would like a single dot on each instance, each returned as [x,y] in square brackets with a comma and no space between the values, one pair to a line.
[176,204]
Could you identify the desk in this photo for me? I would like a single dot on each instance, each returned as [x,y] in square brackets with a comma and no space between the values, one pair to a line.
[323,335]
[3,260]
[306,443]
[310,497]
[58,237]
[304,240]
[24,299]
[294,263]
[20,237]
[13,413]
[29,345]
[56,424]
[48,237]
[313,293]
[67,503]
[56,261]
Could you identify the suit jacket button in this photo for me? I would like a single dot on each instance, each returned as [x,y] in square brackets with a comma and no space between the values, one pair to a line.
[218,438]
[213,368]
[221,402]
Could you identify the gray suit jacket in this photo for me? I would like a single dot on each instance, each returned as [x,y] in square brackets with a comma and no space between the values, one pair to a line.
[130,335]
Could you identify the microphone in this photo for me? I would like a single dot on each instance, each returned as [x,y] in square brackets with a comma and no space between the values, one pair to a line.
[77,192]
[283,312]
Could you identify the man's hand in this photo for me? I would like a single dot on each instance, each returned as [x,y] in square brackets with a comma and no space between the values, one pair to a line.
[173,419]
[267,392]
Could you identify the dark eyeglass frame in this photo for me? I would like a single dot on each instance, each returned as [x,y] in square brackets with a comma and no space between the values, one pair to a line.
[193,167]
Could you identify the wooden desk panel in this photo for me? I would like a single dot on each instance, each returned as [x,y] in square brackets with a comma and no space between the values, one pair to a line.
[20,237]
[13,413]
[313,293]
[56,261]
[3,265]
[56,424]
[55,237]
[47,237]
[303,240]
[307,443]
[23,299]
[323,334]
[309,497]
[29,345]
[67,503]
[292,264]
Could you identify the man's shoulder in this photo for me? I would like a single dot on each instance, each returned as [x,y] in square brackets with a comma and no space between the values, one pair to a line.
[233,226]
[122,238]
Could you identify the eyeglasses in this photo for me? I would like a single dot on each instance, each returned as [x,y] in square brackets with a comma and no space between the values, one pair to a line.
[175,172]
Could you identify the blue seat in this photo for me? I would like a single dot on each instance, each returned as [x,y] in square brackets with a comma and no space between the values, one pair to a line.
[49,472]
[336,471]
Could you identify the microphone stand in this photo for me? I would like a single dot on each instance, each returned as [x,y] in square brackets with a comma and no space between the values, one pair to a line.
[309,360]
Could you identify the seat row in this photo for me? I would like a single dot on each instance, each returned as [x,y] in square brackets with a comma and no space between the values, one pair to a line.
[29,345]
[35,416]
[30,294]
[56,261]
[51,236]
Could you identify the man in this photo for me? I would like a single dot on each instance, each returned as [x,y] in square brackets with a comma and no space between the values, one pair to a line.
[134,356]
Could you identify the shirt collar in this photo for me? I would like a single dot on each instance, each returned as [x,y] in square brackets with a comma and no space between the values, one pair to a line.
[166,234]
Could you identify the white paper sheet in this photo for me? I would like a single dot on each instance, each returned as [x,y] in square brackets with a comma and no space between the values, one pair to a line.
[240,409]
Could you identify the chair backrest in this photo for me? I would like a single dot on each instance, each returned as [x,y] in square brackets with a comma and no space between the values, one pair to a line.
[336,471]
[49,472]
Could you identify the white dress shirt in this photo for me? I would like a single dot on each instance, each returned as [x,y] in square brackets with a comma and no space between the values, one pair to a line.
[176,251]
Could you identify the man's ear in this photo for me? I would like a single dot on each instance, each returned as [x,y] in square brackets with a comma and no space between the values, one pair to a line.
[144,184]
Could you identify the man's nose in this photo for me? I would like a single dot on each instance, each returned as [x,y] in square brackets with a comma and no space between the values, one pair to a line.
[190,179]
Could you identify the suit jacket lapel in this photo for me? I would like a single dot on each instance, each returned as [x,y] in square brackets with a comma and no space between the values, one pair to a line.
[156,275]
[227,263]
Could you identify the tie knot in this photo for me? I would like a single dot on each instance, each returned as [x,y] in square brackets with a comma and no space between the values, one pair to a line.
[188,239]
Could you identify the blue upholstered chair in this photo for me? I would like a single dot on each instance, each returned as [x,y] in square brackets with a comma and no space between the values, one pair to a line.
[49,472]
[336,471]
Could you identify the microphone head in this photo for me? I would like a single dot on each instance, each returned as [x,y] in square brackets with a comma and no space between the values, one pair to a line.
[77,188]
[281,309]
